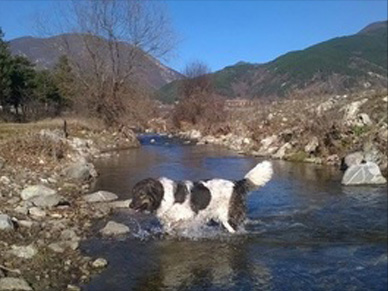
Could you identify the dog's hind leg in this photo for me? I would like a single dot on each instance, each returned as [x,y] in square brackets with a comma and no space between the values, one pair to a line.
[228,227]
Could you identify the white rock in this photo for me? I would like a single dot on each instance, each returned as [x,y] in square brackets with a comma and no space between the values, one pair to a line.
[37,212]
[114,228]
[80,171]
[282,151]
[363,119]
[69,234]
[60,247]
[35,191]
[351,110]
[312,146]
[269,140]
[6,222]
[25,252]
[100,196]
[363,174]
[5,180]
[47,201]
[10,283]
[100,263]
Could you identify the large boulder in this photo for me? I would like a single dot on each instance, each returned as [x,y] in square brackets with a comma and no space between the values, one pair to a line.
[363,174]
[80,171]
[37,191]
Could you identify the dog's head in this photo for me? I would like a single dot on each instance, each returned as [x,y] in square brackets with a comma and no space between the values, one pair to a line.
[147,195]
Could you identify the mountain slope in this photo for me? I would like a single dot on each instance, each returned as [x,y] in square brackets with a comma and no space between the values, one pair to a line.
[45,52]
[335,66]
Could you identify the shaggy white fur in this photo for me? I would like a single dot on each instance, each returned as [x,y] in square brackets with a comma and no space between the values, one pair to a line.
[171,214]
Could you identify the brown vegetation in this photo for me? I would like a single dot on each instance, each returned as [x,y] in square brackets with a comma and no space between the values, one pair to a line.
[198,105]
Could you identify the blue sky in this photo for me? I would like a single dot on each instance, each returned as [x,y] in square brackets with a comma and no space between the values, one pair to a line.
[221,33]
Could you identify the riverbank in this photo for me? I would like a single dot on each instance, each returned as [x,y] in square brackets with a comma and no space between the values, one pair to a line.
[319,130]
[46,168]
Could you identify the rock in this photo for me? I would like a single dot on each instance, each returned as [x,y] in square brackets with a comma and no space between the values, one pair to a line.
[327,105]
[269,140]
[5,180]
[6,222]
[114,228]
[282,151]
[120,204]
[363,174]
[362,119]
[24,252]
[352,159]
[37,212]
[2,275]
[2,163]
[372,154]
[333,160]
[35,191]
[383,132]
[73,288]
[312,146]
[27,223]
[351,110]
[22,209]
[60,247]
[47,201]
[69,234]
[10,283]
[101,210]
[80,171]
[195,134]
[100,263]
[100,196]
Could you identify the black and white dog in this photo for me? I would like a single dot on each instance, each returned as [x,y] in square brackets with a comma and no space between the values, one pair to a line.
[220,200]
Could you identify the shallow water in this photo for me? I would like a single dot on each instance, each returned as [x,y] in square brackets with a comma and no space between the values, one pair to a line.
[304,230]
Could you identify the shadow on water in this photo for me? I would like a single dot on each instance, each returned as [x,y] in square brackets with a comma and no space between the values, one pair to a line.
[304,230]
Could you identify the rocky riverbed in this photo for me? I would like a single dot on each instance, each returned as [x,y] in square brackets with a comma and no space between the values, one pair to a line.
[46,209]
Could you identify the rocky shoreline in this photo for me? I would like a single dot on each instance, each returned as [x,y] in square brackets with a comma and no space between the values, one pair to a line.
[45,208]
[330,132]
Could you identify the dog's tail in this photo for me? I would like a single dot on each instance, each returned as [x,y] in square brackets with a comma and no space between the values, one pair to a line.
[260,174]
[255,178]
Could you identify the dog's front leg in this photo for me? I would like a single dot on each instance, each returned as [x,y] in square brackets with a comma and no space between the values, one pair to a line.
[228,227]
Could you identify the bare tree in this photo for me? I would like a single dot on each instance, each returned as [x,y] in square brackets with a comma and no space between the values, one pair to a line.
[198,103]
[110,41]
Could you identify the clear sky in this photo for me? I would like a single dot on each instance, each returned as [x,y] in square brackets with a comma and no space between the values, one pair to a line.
[221,33]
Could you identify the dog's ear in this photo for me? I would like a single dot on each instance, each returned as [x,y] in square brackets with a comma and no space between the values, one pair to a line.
[150,188]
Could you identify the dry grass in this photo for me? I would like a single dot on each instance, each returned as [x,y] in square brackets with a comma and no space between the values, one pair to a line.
[74,126]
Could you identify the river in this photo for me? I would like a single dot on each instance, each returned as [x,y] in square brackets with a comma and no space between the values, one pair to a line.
[304,230]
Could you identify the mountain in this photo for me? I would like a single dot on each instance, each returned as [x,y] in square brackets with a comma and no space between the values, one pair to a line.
[45,52]
[335,66]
